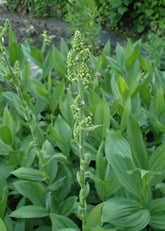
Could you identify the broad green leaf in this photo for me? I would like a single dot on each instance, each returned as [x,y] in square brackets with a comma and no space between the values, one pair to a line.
[105,173]
[134,85]
[61,222]
[12,37]
[123,87]
[68,205]
[94,217]
[5,135]
[138,150]
[157,211]
[64,190]
[126,114]
[134,56]
[42,92]
[63,130]
[16,157]
[145,64]
[100,162]
[161,186]
[34,191]
[157,159]
[33,54]
[29,174]
[157,164]
[9,122]
[65,108]
[37,56]
[125,213]
[57,156]
[102,117]
[57,184]
[27,76]
[150,177]
[160,101]
[55,135]
[14,53]
[56,96]
[64,49]
[107,49]
[118,155]
[19,225]
[115,90]
[118,67]
[63,133]
[47,65]
[4,148]
[3,196]
[30,211]
[58,62]
[2,225]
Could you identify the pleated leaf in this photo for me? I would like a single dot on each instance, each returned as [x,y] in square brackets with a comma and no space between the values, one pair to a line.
[125,213]
[138,149]
[157,210]
[29,174]
[61,222]
[118,155]
[30,211]
[102,117]
[157,163]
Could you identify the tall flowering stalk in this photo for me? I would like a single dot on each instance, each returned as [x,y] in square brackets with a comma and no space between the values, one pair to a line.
[78,72]
[13,76]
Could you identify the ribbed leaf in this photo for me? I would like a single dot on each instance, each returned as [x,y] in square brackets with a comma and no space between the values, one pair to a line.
[102,117]
[30,211]
[157,210]
[125,213]
[157,159]
[160,101]
[61,222]
[94,218]
[119,156]
[4,148]
[138,149]
[29,174]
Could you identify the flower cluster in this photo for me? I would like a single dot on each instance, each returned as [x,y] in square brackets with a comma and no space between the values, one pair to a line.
[77,61]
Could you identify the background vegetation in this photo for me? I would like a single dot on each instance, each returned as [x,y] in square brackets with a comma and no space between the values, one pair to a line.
[136,15]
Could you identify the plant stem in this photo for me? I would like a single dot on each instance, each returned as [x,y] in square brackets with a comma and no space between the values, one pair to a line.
[81,151]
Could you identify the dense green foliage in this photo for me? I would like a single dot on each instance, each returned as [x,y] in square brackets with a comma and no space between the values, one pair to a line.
[39,8]
[40,158]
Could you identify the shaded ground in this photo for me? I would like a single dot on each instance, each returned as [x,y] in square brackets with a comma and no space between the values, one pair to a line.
[32,28]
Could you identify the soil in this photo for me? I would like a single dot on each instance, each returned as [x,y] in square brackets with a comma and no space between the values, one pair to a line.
[31,29]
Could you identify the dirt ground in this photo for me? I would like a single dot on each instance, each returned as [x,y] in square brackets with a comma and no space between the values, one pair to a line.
[31,29]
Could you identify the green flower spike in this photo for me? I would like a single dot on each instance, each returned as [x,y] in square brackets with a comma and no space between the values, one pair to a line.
[78,72]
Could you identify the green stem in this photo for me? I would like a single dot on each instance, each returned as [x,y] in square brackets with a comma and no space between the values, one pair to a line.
[81,151]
